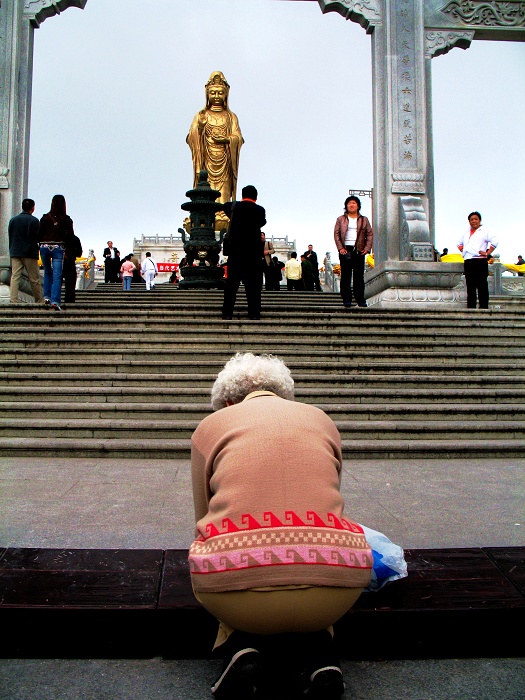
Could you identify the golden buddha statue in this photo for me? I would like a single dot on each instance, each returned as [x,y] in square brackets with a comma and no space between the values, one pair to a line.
[215,140]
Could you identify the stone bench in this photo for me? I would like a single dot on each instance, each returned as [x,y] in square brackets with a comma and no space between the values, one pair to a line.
[101,603]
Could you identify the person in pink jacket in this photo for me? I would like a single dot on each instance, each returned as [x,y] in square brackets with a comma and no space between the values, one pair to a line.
[126,269]
[275,558]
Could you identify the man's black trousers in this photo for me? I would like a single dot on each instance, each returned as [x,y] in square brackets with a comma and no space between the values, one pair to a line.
[252,279]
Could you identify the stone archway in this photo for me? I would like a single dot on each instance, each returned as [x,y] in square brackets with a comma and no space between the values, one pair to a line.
[406,35]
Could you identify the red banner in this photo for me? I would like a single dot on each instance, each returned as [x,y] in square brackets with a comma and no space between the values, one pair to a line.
[167,266]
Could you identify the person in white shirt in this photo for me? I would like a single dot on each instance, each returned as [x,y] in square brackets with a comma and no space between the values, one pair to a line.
[149,271]
[476,246]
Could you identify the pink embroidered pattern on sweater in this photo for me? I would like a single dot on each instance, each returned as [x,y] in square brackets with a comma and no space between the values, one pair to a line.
[291,519]
[333,542]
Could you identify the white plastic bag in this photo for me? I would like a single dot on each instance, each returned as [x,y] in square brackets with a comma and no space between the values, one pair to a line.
[389,559]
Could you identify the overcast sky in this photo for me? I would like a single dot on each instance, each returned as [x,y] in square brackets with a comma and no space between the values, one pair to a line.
[116,88]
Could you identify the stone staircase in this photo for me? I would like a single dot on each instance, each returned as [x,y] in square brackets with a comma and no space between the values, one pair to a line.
[129,374]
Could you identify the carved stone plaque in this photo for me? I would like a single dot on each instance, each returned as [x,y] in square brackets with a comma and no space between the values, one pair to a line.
[423,252]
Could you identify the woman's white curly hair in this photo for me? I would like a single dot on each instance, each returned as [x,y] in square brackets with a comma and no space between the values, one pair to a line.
[246,372]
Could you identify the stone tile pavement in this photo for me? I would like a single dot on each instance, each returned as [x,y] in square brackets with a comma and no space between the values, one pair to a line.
[119,503]
[114,503]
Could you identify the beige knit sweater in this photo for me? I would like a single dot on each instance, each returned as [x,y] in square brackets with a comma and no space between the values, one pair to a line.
[266,476]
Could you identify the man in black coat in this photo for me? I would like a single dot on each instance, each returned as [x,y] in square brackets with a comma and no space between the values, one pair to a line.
[111,264]
[311,256]
[23,250]
[244,253]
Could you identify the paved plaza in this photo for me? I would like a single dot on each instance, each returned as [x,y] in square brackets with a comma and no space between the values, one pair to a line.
[146,503]
[116,503]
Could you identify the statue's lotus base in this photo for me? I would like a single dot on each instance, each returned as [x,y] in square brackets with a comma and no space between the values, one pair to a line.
[202,277]
[414,285]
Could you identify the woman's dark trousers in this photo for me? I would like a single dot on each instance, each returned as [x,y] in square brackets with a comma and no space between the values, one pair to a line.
[352,266]
[476,274]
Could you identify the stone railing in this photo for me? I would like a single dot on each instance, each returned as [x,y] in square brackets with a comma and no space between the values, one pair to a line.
[331,280]
[504,286]
[499,283]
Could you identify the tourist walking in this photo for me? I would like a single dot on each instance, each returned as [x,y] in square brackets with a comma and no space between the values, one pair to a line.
[476,246]
[149,271]
[293,274]
[23,251]
[72,251]
[520,261]
[353,237]
[275,556]
[311,256]
[55,227]
[111,264]
[244,253]
[127,269]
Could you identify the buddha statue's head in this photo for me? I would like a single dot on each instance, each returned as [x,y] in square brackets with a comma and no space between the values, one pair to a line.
[217,91]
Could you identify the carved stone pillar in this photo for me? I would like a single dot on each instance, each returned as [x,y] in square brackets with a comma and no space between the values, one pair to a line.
[18,20]
[404,272]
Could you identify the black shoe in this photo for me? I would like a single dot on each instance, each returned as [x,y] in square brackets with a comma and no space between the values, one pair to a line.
[227,318]
[363,305]
[347,304]
[240,677]
[323,678]
[326,684]
[254,318]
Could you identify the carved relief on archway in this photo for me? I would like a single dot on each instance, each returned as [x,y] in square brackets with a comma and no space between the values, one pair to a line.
[483,13]
[39,10]
[367,13]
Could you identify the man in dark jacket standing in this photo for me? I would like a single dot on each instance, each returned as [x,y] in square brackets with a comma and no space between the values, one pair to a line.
[311,256]
[23,249]
[245,253]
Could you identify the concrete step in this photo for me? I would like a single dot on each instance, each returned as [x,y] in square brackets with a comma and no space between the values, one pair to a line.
[373,429]
[226,345]
[166,322]
[165,315]
[365,448]
[136,391]
[446,372]
[197,411]
[147,351]
[157,377]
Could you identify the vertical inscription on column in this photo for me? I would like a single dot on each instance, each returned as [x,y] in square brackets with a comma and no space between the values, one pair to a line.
[405,83]
[406,177]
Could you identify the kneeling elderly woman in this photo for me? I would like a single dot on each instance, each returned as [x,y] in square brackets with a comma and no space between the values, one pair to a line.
[274,558]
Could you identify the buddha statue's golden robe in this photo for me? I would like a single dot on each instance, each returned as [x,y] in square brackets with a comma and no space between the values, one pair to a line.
[215,140]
